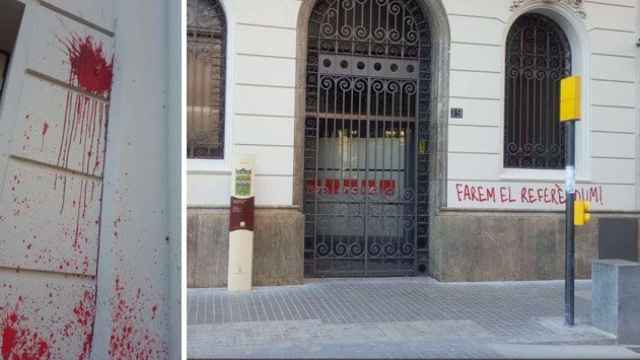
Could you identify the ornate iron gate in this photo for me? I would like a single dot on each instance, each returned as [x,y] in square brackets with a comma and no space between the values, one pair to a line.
[366,129]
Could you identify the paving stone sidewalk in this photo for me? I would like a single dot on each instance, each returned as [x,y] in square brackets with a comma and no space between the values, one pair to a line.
[395,318]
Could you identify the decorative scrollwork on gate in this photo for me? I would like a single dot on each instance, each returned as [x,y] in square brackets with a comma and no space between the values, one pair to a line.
[367,112]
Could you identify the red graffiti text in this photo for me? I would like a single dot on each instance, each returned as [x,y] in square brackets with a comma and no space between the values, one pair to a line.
[551,195]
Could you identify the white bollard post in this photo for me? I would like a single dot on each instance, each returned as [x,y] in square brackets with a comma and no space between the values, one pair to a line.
[241,224]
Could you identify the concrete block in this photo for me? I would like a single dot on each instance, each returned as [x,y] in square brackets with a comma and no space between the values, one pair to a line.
[615,305]
[208,247]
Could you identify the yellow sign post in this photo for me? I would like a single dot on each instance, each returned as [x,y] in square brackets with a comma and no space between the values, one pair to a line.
[576,211]
[570,99]
[581,210]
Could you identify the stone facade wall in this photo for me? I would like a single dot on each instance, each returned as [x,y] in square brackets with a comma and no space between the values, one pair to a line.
[278,247]
[464,246]
[485,246]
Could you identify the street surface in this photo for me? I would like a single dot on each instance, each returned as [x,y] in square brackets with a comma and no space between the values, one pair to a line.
[396,318]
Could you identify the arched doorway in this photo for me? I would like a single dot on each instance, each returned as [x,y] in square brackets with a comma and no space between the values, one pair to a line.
[366,131]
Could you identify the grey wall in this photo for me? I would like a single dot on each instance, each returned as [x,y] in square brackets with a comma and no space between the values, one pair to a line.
[468,246]
[464,246]
[175,156]
[278,247]
[136,306]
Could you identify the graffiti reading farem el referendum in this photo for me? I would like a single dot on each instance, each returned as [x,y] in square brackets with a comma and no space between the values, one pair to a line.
[552,194]
[85,118]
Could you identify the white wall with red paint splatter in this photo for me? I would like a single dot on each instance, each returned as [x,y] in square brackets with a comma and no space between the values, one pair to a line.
[84,234]
[135,311]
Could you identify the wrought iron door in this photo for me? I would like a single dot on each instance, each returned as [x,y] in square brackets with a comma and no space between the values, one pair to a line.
[366,127]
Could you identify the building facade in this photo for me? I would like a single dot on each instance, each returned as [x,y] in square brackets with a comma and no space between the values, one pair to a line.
[409,137]
[89,146]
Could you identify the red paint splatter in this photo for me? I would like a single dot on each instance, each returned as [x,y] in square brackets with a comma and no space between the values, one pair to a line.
[18,342]
[45,128]
[130,339]
[89,68]
[84,127]
[85,313]
[116,222]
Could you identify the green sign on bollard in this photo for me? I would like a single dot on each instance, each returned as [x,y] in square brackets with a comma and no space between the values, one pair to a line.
[241,224]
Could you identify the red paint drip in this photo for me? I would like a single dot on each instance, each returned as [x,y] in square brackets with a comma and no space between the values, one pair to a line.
[85,313]
[84,127]
[9,335]
[21,343]
[131,337]
[45,127]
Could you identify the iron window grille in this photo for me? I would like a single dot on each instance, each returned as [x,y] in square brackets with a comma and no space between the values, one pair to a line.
[206,63]
[538,56]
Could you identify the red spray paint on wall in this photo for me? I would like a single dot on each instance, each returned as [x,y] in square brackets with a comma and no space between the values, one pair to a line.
[84,127]
[19,342]
[45,128]
[90,69]
[128,339]
[552,194]
[84,313]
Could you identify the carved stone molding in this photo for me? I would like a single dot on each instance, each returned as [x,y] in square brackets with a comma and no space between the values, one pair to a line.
[575,5]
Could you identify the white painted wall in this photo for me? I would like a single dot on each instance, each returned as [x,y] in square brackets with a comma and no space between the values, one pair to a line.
[46,271]
[175,172]
[126,208]
[261,100]
[261,58]
[604,54]
[139,237]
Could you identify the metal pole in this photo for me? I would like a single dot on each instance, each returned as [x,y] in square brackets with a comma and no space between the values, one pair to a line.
[570,186]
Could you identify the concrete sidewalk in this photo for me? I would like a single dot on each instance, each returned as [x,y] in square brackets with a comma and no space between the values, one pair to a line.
[396,318]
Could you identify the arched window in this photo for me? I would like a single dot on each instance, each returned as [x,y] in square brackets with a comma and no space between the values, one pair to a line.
[206,43]
[538,56]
